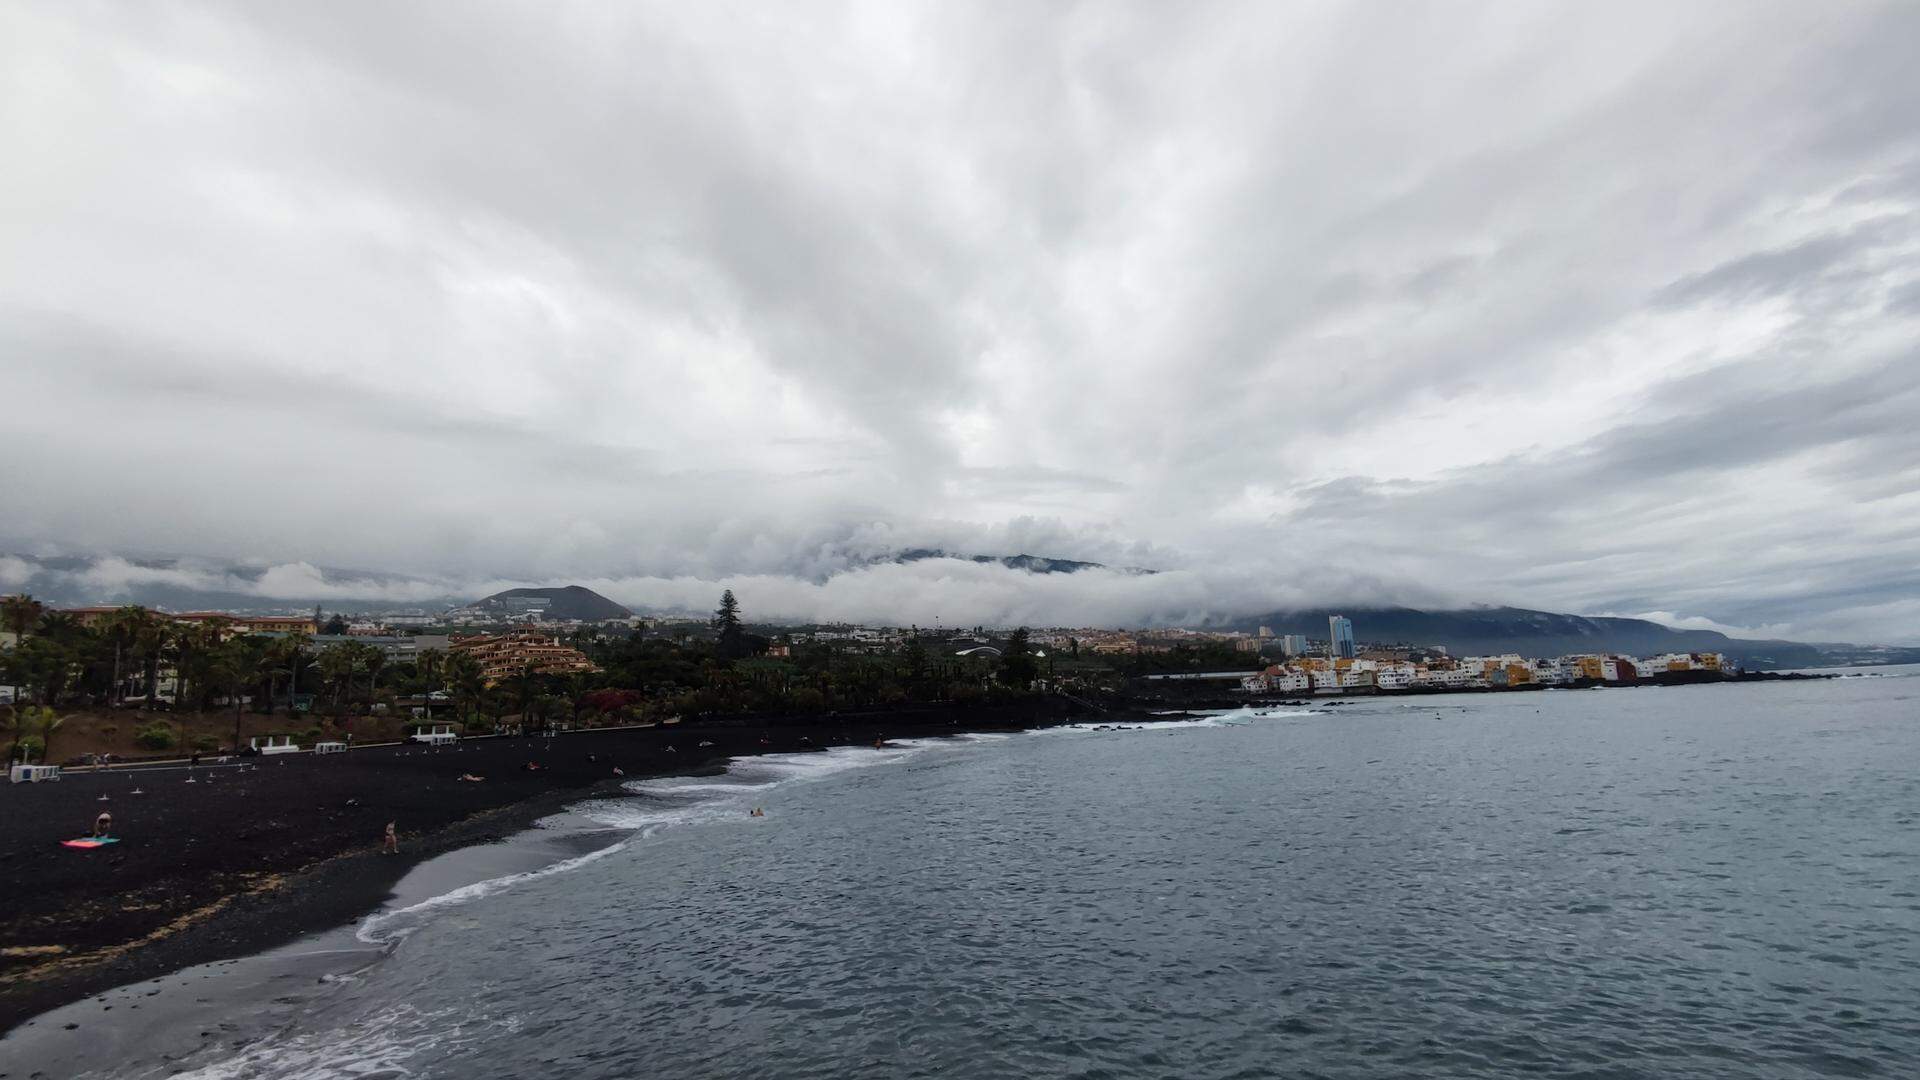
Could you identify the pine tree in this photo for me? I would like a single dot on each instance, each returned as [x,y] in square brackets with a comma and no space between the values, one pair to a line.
[1017,666]
[726,620]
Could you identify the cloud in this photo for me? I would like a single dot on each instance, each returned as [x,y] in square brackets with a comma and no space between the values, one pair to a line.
[15,572]
[1699,622]
[1571,306]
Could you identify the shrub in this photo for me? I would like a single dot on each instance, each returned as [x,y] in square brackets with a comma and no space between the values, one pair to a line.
[206,743]
[155,736]
[32,747]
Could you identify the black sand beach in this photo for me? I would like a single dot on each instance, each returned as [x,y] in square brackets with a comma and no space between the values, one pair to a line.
[246,858]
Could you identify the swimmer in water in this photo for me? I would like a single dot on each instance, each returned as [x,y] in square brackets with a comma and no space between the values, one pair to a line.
[756,812]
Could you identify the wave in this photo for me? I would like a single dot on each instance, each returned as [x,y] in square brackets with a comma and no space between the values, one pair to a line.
[663,803]
[1202,718]
[389,927]
[379,1048]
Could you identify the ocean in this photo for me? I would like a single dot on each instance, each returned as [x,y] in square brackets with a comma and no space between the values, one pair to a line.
[1711,881]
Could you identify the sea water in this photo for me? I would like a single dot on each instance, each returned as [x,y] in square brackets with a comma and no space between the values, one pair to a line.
[1714,881]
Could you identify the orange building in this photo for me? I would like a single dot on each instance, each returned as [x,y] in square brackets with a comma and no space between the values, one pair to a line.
[502,656]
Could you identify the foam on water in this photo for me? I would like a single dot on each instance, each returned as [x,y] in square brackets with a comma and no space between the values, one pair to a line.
[387,927]
[377,1049]
[666,803]
[1198,718]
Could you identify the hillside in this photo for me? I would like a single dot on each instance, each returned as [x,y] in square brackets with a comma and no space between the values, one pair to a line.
[567,602]
[1494,630]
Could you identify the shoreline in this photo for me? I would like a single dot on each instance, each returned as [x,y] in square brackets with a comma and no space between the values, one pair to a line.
[170,903]
[253,912]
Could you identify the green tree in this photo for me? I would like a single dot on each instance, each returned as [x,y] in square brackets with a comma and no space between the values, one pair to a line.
[915,657]
[1018,668]
[464,683]
[522,683]
[151,640]
[732,644]
[33,727]
[373,658]
[193,649]
[233,666]
[123,630]
[430,664]
[281,659]
[20,614]
[337,664]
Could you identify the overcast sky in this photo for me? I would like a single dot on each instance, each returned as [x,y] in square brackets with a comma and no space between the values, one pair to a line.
[1606,308]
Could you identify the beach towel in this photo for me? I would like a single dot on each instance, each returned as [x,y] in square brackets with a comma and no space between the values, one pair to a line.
[90,842]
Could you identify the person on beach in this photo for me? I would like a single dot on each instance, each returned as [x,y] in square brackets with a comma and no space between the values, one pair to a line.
[390,843]
[103,825]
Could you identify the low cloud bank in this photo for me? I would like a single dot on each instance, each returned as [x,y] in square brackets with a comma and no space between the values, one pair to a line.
[849,586]
[927,592]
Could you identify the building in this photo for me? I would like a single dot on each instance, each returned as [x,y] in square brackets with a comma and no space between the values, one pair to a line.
[278,624]
[1340,636]
[1278,680]
[92,617]
[503,656]
[1396,676]
[398,649]
[1586,667]
[1294,644]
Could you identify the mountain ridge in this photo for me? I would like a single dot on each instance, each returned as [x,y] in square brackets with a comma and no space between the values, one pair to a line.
[575,602]
[1495,630]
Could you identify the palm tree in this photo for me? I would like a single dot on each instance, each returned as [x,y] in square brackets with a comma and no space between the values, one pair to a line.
[464,682]
[20,614]
[234,665]
[28,718]
[373,658]
[337,663]
[578,683]
[278,658]
[151,639]
[62,642]
[296,658]
[429,664]
[192,646]
[123,629]
[523,686]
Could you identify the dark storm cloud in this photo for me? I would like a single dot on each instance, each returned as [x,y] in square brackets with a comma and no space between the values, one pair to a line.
[1607,308]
